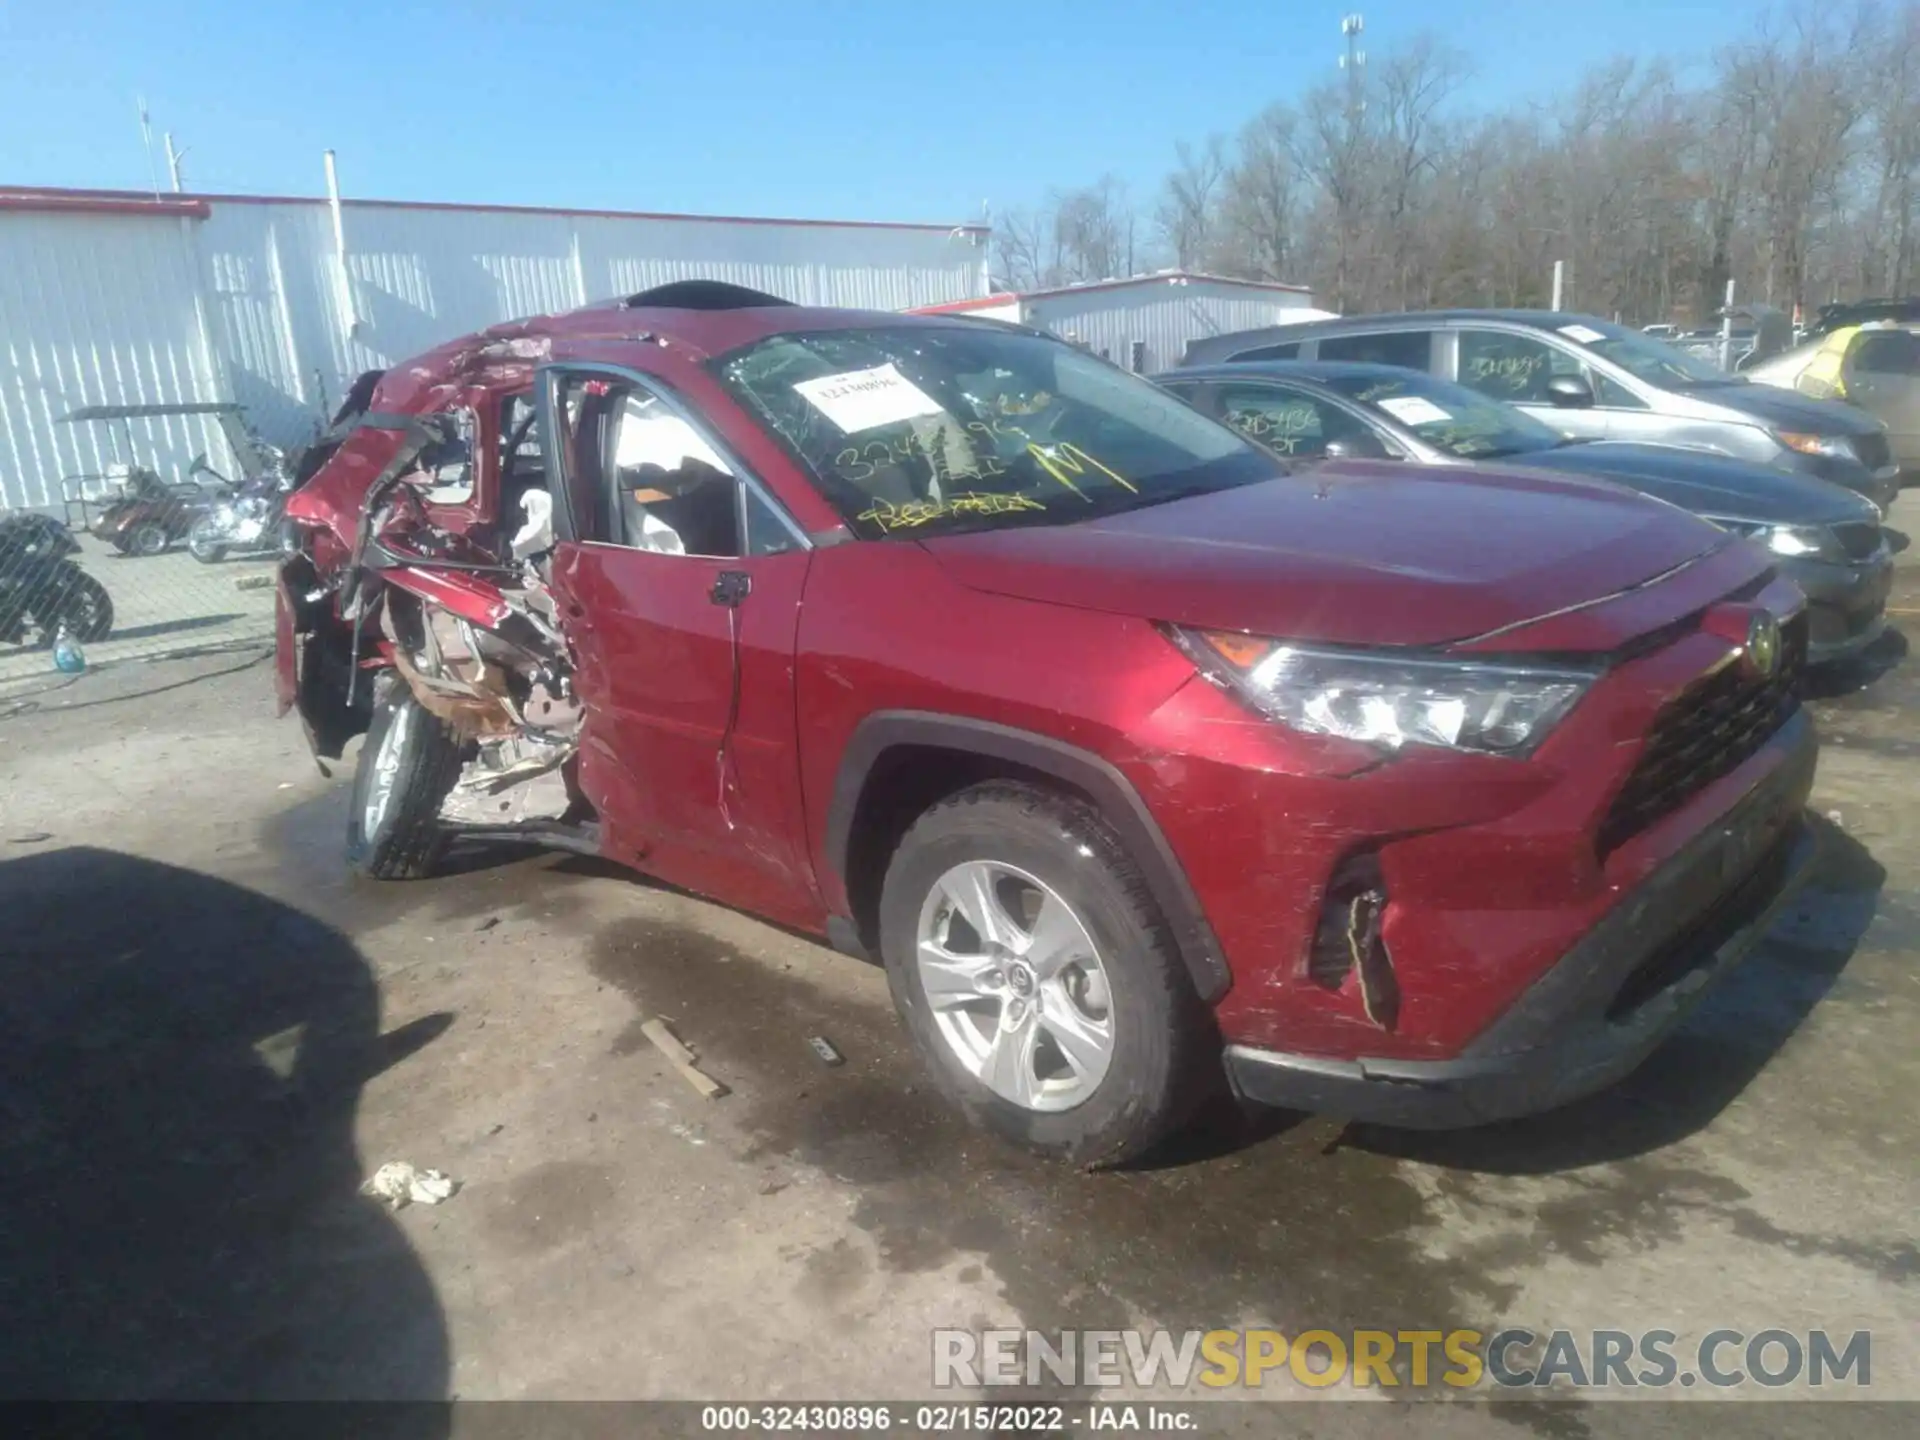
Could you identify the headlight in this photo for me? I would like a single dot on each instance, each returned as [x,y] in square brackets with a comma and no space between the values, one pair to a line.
[1791,540]
[1382,699]
[1798,540]
[1833,446]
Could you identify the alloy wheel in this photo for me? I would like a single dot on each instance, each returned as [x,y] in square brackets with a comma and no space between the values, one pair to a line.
[1016,985]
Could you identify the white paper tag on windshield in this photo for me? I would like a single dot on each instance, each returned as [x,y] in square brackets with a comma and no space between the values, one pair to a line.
[1413,409]
[1585,334]
[857,400]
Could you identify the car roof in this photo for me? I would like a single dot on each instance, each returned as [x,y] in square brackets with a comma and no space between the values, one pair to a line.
[1537,319]
[716,320]
[1308,370]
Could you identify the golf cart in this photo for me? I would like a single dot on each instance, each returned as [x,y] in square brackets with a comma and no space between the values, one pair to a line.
[129,506]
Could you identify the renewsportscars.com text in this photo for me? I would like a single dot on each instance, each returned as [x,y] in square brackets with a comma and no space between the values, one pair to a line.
[1513,1357]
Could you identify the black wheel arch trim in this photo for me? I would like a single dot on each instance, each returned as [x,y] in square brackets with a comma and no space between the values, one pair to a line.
[1119,803]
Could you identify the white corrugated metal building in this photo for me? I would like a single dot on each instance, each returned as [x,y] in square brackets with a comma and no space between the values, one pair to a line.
[116,298]
[1146,323]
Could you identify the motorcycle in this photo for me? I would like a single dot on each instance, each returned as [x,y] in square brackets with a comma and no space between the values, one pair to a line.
[151,515]
[42,587]
[246,519]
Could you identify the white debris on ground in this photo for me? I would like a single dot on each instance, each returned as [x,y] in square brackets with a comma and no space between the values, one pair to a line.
[400,1184]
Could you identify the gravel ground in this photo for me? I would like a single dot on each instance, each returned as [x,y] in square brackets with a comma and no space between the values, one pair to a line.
[215,1034]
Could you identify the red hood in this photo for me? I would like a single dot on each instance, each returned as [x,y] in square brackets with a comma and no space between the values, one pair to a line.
[1354,552]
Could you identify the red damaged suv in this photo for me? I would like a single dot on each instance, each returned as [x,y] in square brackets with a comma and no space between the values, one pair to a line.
[1415,797]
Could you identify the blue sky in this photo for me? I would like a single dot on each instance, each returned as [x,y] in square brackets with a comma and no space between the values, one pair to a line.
[875,109]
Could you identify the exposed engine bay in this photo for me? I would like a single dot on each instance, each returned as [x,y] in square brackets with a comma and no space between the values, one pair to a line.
[506,687]
[466,621]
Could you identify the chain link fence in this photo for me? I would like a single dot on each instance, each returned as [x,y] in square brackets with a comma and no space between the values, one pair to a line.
[115,576]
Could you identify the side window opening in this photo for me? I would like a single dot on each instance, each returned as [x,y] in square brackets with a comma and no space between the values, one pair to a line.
[1885,352]
[1513,368]
[1615,396]
[1409,349]
[1289,351]
[521,465]
[1294,424]
[674,494]
[449,467]
[636,472]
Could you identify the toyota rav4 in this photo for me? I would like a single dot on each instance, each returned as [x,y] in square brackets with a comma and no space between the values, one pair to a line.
[1422,798]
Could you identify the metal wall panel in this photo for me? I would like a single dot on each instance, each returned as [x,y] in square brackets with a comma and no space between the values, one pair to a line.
[247,305]
[1161,315]
[97,310]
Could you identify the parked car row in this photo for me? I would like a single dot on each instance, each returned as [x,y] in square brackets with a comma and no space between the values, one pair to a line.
[1428,793]
[1592,379]
[1826,539]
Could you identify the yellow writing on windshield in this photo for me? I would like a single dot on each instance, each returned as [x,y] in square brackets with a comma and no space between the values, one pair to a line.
[1066,460]
[889,516]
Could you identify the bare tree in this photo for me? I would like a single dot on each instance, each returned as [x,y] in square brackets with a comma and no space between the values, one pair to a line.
[1094,231]
[1019,249]
[1189,211]
[1260,207]
[1793,167]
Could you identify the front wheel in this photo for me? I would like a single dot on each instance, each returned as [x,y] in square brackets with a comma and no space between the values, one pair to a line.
[80,604]
[149,537]
[203,542]
[1037,978]
[408,763]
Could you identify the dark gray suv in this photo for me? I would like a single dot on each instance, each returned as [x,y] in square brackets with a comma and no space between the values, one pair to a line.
[1595,380]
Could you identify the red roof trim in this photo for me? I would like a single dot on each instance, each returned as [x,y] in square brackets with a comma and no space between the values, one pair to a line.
[981,302]
[55,202]
[204,201]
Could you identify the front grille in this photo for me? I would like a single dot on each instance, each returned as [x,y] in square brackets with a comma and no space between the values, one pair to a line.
[1873,450]
[1703,733]
[1859,540]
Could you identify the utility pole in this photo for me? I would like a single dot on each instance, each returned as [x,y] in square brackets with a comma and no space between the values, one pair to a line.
[173,163]
[146,139]
[1352,27]
[1559,282]
[1352,62]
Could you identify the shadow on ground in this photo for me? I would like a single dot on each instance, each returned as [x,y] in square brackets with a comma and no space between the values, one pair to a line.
[1851,676]
[180,1217]
[172,627]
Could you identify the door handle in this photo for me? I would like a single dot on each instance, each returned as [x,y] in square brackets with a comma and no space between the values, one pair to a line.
[730,587]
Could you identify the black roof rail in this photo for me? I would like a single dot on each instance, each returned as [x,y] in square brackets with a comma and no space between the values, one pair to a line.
[700,295]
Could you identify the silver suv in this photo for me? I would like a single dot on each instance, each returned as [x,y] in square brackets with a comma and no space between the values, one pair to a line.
[1592,379]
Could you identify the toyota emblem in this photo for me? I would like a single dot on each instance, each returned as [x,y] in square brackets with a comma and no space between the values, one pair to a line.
[1763,645]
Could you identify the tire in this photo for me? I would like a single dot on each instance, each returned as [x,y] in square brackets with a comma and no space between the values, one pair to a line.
[401,839]
[147,538]
[203,544]
[1158,1037]
[81,603]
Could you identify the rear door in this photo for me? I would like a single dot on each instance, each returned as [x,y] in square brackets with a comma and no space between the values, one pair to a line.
[679,581]
[1881,375]
[1514,366]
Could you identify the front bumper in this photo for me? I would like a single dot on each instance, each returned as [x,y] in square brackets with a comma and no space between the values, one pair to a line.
[1609,1001]
[1846,603]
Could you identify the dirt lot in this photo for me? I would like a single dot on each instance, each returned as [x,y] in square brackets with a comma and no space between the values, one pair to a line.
[213,1035]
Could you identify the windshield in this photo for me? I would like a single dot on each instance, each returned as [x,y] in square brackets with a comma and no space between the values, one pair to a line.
[929,430]
[1448,417]
[1645,358]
